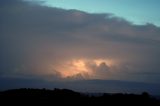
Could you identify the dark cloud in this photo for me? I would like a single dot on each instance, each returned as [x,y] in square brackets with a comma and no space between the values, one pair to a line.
[35,40]
[103,67]
[102,70]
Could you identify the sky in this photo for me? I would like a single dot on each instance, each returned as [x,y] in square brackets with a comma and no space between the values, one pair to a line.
[51,46]
[135,11]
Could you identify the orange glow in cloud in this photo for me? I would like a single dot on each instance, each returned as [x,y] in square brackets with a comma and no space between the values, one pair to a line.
[73,68]
[78,66]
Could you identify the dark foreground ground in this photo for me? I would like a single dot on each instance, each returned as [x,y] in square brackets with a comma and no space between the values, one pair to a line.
[58,97]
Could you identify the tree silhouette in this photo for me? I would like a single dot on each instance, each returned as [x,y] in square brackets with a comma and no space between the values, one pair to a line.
[68,97]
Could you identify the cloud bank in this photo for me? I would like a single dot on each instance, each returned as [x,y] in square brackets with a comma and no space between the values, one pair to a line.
[44,42]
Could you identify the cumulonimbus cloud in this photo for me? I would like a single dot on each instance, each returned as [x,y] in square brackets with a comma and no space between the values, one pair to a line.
[35,40]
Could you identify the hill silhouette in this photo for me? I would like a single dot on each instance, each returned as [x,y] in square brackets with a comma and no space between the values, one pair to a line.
[68,97]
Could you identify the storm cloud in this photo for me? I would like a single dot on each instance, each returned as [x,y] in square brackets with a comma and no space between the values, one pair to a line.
[38,41]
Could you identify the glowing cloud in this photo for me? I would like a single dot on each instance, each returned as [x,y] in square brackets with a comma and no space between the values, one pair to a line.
[86,68]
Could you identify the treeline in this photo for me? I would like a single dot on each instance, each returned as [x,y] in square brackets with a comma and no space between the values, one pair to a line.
[69,97]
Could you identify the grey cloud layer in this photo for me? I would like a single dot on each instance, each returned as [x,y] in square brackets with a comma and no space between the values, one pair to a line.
[34,36]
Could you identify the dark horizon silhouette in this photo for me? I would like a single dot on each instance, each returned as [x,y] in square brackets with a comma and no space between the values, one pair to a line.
[57,96]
